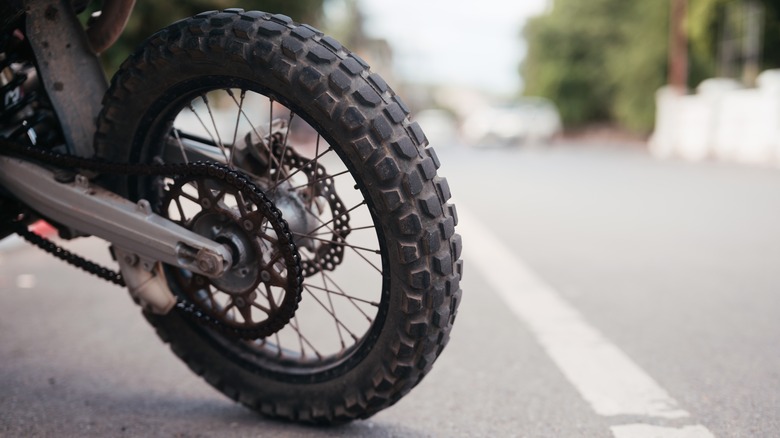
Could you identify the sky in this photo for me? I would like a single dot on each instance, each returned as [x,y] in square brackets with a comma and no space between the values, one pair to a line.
[474,43]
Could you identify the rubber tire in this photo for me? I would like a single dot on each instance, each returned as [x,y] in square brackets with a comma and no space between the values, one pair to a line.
[387,152]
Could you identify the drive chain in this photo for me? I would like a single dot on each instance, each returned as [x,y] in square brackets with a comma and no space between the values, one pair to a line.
[229,176]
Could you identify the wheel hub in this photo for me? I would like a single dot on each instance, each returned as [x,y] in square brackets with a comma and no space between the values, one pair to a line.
[244,273]
[300,219]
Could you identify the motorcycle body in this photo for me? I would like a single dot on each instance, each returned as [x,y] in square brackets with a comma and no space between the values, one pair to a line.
[269,201]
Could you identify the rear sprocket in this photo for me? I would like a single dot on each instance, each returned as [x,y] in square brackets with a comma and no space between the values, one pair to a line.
[259,293]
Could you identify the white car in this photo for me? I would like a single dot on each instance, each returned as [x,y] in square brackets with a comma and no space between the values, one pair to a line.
[528,120]
[439,126]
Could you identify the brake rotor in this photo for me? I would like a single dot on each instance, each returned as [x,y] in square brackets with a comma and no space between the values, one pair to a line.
[315,213]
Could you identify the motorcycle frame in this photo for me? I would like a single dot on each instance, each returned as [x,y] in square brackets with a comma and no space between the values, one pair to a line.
[68,65]
[73,78]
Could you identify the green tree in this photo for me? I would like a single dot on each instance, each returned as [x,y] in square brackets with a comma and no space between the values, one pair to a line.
[598,60]
[637,67]
[603,60]
[567,54]
[706,19]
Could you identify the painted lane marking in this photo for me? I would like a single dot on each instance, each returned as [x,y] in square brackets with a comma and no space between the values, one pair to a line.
[605,377]
[649,431]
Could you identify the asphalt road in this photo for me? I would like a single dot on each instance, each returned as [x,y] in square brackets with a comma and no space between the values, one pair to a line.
[669,267]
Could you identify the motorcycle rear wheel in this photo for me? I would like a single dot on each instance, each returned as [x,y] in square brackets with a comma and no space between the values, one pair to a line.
[321,89]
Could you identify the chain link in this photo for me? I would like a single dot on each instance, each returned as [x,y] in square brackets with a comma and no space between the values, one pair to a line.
[67,256]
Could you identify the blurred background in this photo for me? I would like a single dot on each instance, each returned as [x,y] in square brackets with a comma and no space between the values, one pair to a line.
[503,73]
[614,165]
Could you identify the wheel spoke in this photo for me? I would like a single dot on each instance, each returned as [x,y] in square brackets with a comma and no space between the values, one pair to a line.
[317,181]
[333,315]
[326,225]
[241,111]
[181,146]
[340,292]
[278,345]
[334,242]
[254,128]
[284,152]
[352,300]
[303,339]
[333,311]
[300,169]
[216,130]
[351,229]
[203,124]
[238,121]
[315,166]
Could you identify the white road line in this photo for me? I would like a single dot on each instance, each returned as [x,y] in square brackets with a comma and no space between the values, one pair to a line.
[605,377]
[648,431]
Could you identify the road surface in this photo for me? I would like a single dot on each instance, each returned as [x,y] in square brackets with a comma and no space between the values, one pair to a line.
[605,294]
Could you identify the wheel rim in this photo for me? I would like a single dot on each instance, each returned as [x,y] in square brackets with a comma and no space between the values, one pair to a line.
[345,293]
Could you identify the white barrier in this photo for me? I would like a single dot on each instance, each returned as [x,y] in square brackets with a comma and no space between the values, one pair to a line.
[721,121]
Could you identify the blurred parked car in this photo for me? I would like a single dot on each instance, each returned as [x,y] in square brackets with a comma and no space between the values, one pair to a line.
[439,126]
[528,120]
